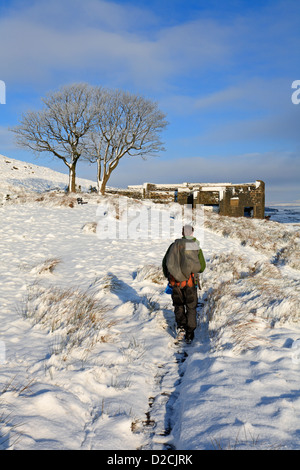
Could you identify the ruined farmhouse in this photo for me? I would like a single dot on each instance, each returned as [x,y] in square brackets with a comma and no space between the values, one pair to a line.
[235,200]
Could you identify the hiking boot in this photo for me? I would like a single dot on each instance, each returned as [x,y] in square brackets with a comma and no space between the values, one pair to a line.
[180,332]
[180,329]
[189,337]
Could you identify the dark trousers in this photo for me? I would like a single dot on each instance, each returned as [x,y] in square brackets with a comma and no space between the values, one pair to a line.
[185,303]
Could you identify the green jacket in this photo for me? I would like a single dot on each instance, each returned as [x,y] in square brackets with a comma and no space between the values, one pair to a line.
[183,258]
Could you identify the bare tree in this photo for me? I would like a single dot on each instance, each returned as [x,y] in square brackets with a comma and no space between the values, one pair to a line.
[89,122]
[128,125]
[60,128]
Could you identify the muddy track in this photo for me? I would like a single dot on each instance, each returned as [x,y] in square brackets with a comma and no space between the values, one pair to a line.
[158,423]
[160,417]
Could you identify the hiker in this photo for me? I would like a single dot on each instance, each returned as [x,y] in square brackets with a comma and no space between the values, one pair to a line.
[181,264]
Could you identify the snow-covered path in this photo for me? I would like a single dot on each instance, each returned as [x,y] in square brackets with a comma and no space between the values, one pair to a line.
[100,402]
[136,389]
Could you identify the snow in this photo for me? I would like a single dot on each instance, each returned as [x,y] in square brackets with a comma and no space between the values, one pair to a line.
[17,176]
[88,351]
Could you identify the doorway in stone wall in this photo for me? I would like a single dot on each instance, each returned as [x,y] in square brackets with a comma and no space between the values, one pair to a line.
[248,211]
[190,199]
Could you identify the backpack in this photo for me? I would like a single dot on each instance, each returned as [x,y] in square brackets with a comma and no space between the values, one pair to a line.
[182,260]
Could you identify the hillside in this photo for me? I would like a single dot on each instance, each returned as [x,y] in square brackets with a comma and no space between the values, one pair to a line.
[17,176]
[88,348]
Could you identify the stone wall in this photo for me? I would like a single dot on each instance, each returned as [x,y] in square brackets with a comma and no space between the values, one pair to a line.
[235,200]
[242,200]
[208,197]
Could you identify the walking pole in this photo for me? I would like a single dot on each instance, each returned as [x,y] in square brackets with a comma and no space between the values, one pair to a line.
[199,281]
[199,286]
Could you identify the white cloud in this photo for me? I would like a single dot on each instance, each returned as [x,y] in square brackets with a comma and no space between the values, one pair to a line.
[222,81]
[196,44]
[119,42]
[254,93]
[275,168]
[107,38]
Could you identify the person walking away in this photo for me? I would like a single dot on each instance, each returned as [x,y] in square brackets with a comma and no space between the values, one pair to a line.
[181,265]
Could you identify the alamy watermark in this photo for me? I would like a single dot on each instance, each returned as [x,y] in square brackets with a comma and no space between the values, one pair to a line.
[2,92]
[121,219]
[296,95]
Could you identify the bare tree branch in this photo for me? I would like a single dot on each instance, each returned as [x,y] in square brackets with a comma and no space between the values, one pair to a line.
[60,127]
[128,125]
[81,121]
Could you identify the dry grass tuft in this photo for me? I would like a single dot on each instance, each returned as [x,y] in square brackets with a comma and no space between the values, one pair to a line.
[151,272]
[90,227]
[282,244]
[46,267]
[109,283]
[244,300]
[78,317]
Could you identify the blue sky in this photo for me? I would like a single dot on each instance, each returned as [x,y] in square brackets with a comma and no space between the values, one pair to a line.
[221,70]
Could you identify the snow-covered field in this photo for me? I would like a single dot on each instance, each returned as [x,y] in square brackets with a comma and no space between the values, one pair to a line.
[88,350]
[16,177]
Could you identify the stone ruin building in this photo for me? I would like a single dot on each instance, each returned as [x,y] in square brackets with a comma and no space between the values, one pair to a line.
[235,200]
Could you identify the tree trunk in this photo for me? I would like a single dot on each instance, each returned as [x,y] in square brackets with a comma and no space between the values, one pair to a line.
[72,178]
[106,175]
[102,184]
[99,182]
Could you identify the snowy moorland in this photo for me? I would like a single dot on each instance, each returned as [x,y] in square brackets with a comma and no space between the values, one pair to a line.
[89,356]
[17,177]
